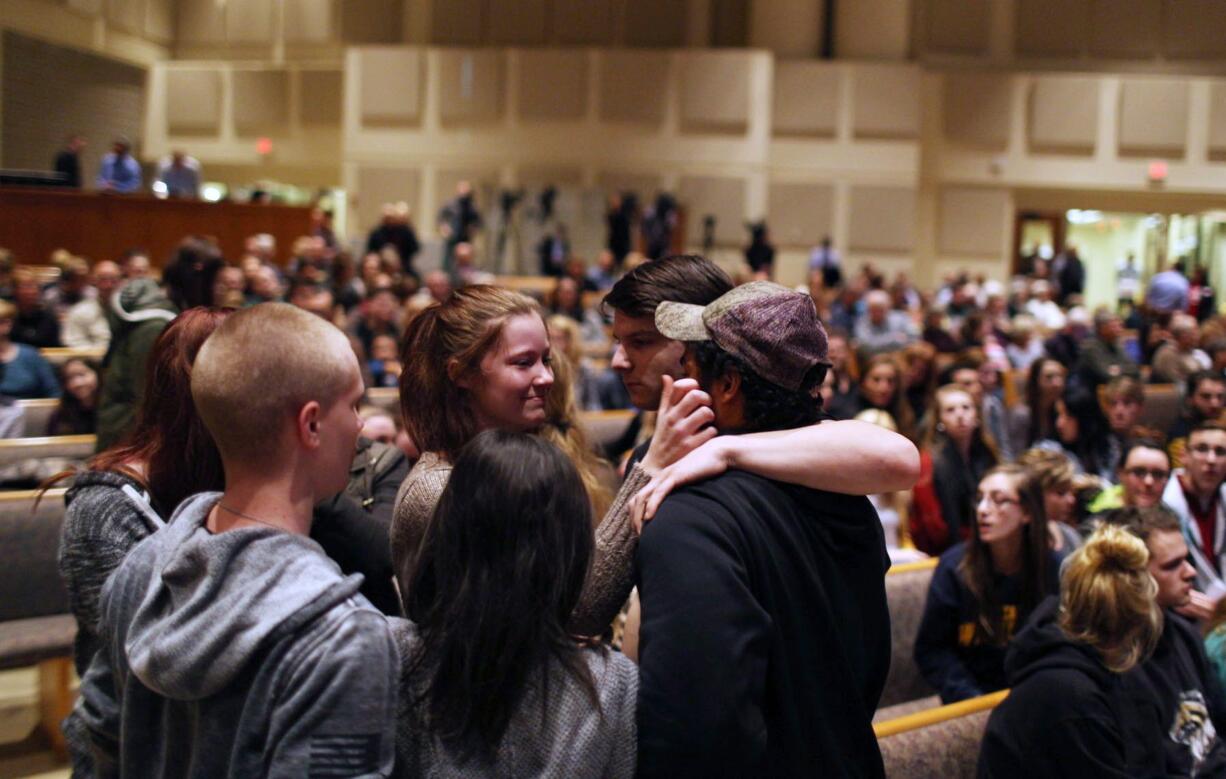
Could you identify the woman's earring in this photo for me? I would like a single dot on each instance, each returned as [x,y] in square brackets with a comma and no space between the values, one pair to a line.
[940,427]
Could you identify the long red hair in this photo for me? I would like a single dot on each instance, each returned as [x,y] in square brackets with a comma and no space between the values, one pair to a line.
[169,442]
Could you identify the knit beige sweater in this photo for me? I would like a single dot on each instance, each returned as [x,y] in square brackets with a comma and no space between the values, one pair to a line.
[609,580]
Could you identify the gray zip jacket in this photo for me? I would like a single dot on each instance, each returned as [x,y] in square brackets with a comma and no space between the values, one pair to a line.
[239,654]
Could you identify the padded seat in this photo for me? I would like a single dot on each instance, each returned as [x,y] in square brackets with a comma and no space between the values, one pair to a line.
[26,642]
[906,591]
[948,749]
[908,707]
[942,742]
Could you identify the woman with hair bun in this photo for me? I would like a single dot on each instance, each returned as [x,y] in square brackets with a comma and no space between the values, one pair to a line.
[1066,715]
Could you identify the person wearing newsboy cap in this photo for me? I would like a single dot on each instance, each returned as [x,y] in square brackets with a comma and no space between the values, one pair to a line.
[765,638]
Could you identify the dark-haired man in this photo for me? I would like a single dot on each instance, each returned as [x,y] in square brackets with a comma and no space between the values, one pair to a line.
[1204,399]
[765,636]
[870,459]
[1102,357]
[1174,694]
[1196,496]
[642,357]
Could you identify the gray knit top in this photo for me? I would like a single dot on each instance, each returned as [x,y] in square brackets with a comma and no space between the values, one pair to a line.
[568,739]
[612,572]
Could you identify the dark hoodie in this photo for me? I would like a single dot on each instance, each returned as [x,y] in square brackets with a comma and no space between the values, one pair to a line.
[1176,696]
[765,638]
[1066,714]
[244,653]
[137,315]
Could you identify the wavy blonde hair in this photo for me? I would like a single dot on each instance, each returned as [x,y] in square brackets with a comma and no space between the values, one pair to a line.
[1108,600]
[561,429]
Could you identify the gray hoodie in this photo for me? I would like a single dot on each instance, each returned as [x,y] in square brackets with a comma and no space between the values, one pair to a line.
[242,654]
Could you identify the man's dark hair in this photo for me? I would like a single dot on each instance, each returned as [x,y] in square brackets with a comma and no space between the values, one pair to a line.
[1196,378]
[1145,442]
[680,278]
[1143,522]
[963,363]
[767,406]
[1203,425]
[190,273]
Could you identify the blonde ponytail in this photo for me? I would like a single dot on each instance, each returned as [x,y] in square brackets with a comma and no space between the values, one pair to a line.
[1108,599]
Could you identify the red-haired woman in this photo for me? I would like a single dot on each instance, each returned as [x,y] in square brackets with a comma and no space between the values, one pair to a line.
[128,491]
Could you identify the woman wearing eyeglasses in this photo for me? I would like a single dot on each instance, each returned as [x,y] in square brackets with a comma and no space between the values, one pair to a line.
[985,588]
[1145,468]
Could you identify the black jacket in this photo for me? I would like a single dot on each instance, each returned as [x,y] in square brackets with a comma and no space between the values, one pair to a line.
[354,527]
[945,649]
[1066,715]
[765,637]
[1177,701]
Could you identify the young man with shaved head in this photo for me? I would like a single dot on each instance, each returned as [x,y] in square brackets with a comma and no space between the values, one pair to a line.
[232,646]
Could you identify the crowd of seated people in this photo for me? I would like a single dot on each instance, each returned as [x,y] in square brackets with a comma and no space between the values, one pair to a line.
[1024,408]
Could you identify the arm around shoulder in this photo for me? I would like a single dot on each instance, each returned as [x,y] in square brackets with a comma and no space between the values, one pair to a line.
[850,457]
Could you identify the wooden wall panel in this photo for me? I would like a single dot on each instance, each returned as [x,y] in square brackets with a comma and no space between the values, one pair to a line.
[193,101]
[873,29]
[471,85]
[1051,28]
[801,214]
[882,219]
[651,23]
[200,21]
[517,22]
[956,27]
[631,86]
[715,91]
[588,23]
[321,92]
[371,21]
[127,15]
[977,109]
[553,84]
[308,21]
[806,99]
[1153,116]
[1125,28]
[973,221]
[249,21]
[1193,28]
[160,20]
[391,89]
[886,99]
[261,102]
[1217,119]
[456,22]
[1063,114]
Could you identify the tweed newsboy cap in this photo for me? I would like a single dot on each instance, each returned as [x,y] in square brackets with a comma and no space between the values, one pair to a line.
[772,329]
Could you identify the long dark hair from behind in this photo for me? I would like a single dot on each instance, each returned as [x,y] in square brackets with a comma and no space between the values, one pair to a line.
[979,574]
[169,441]
[498,573]
[1093,430]
[190,273]
[1042,421]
